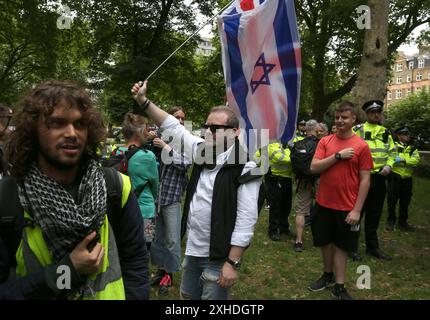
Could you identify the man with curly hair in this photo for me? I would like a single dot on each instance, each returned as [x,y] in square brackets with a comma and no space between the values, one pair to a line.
[64,244]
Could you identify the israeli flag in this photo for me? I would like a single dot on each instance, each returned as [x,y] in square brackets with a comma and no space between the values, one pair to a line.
[262,65]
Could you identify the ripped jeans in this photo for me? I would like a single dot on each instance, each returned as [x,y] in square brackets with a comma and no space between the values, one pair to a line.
[199,279]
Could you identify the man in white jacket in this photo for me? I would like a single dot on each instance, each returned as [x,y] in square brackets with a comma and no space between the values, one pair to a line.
[220,223]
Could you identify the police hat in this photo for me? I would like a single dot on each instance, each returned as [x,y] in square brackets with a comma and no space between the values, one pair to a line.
[302,122]
[373,105]
[402,130]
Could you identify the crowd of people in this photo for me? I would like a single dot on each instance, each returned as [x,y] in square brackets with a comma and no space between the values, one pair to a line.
[105,222]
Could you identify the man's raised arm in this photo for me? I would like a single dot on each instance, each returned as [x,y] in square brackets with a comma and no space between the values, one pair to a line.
[155,113]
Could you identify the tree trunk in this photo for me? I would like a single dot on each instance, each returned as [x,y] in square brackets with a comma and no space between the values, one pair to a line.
[150,52]
[372,75]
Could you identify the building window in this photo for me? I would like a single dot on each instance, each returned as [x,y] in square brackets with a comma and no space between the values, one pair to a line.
[418,89]
[411,65]
[408,78]
[421,63]
[419,76]
[408,91]
[429,76]
[398,93]
[399,67]
[389,95]
[399,79]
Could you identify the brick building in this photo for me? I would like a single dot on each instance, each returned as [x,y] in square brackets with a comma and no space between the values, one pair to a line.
[410,74]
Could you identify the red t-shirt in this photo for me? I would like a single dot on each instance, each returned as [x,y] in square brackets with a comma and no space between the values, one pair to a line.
[339,185]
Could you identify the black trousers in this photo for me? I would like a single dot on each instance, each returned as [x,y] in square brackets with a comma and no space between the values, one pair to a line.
[372,209]
[280,195]
[399,190]
[262,195]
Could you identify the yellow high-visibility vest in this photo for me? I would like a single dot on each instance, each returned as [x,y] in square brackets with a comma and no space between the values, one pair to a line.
[279,160]
[380,142]
[412,159]
[33,255]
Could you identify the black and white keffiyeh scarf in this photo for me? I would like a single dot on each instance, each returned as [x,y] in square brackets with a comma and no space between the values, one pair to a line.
[65,223]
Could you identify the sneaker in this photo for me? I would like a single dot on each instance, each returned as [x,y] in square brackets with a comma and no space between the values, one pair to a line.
[155,280]
[165,284]
[298,247]
[325,281]
[340,293]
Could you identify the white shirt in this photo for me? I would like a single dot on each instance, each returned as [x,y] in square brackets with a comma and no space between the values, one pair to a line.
[199,217]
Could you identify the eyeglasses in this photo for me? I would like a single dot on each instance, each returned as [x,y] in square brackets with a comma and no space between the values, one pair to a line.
[214,127]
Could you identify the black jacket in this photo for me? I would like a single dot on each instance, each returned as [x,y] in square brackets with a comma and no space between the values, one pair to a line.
[224,201]
[132,252]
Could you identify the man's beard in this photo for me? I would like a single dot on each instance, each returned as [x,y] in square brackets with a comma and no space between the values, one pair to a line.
[57,164]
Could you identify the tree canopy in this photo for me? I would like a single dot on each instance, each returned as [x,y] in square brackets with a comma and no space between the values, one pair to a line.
[111,44]
[414,112]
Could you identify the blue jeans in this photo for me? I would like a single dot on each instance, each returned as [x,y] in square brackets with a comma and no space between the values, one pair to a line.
[199,279]
[166,247]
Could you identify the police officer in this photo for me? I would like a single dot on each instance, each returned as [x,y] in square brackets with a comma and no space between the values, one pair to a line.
[279,189]
[383,152]
[301,129]
[400,180]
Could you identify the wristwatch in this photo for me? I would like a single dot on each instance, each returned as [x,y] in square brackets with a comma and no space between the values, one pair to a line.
[235,264]
[338,156]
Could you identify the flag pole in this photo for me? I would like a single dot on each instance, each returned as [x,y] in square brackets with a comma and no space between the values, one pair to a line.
[188,39]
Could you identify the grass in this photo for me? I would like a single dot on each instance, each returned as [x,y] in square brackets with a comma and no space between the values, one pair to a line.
[274,271]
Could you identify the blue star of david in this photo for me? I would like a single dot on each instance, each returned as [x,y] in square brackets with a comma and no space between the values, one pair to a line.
[267,68]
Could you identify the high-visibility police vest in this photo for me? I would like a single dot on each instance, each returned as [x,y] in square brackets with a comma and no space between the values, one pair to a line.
[279,160]
[411,157]
[380,142]
[33,255]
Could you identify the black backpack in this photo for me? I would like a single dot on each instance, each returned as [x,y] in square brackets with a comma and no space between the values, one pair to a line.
[119,159]
[302,153]
[12,218]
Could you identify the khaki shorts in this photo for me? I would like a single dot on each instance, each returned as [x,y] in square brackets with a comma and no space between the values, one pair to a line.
[305,197]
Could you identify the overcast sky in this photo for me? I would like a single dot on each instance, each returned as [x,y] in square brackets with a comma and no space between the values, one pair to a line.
[412,49]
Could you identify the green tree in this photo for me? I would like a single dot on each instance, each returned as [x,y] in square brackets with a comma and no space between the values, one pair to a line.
[413,111]
[33,49]
[332,44]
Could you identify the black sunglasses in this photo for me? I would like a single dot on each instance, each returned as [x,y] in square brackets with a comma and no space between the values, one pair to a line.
[214,127]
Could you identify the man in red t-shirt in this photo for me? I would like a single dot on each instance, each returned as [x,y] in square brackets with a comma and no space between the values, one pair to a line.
[343,161]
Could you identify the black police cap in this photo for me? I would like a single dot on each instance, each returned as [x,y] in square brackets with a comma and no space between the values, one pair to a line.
[373,105]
